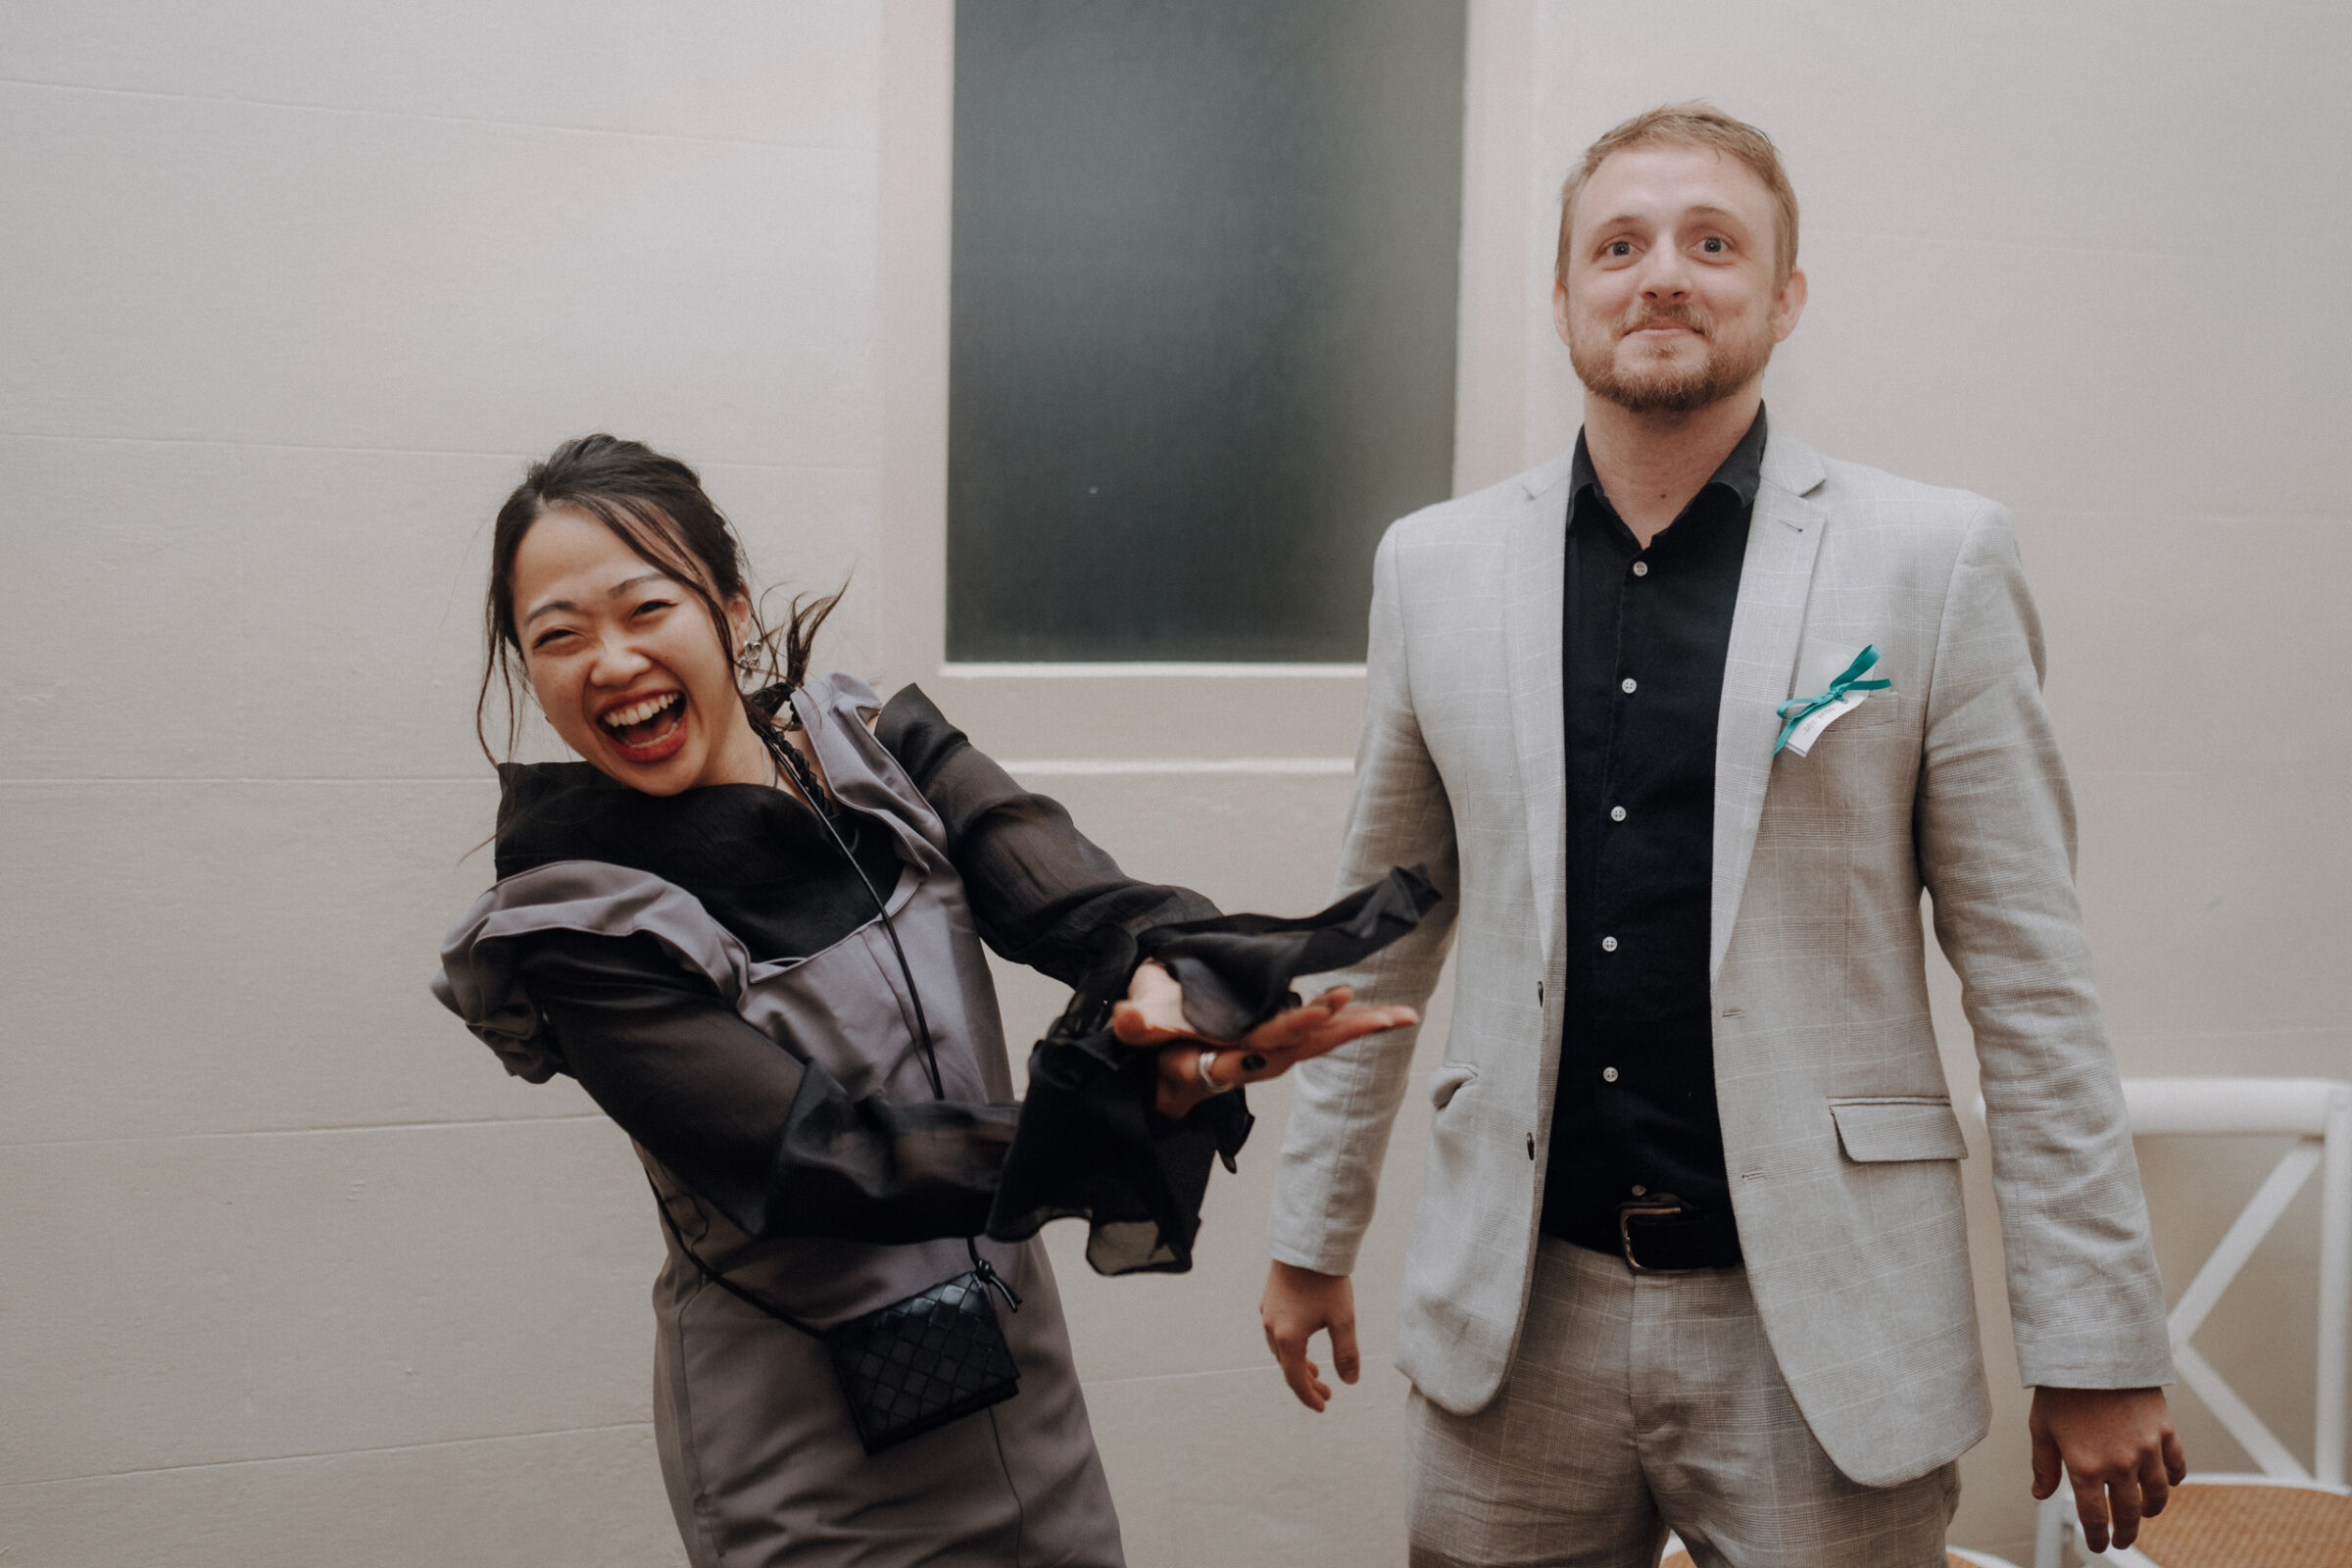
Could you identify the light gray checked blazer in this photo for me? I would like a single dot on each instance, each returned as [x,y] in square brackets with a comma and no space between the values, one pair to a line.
[1837,1125]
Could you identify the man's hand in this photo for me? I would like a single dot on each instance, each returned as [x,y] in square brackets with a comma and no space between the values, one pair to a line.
[1297,1303]
[1153,1016]
[2117,1447]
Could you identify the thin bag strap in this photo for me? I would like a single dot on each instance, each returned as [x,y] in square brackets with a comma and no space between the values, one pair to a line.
[819,804]
[721,1279]
[789,758]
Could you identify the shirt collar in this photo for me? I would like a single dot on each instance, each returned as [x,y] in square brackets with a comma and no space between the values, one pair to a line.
[1740,474]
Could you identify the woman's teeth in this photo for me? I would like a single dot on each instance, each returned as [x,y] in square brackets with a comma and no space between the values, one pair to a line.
[638,713]
[649,730]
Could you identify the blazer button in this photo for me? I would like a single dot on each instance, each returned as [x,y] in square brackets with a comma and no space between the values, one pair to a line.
[1531,1146]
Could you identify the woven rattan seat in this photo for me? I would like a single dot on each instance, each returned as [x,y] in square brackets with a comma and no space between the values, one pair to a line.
[1682,1559]
[2218,1525]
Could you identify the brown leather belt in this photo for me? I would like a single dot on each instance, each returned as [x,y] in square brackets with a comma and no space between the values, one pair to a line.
[1660,1234]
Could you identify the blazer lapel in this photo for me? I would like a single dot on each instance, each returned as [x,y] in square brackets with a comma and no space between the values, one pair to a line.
[1533,593]
[1776,578]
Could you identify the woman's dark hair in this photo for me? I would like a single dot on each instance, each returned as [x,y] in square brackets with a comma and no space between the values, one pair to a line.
[656,506]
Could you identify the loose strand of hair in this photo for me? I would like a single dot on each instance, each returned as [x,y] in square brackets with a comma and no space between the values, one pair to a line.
[778,655]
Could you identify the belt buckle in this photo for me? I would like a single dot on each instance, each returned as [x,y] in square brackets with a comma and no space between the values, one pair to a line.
[1658,1206]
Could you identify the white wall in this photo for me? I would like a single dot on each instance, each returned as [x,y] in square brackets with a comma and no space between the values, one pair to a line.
[293,1274]
[291,1271]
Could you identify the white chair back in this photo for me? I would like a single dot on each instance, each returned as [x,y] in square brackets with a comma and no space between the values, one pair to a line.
[2317,1113]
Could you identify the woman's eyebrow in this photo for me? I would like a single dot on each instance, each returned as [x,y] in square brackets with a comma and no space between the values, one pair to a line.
[613,592]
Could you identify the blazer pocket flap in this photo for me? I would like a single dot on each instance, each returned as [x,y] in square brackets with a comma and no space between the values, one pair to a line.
[1878,708]
[1871,1131]
[1447,1080]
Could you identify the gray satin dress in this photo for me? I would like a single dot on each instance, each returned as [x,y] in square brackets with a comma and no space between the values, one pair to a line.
[852,1184]
[761,1462]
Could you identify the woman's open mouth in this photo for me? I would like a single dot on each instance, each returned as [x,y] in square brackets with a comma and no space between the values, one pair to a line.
[650,730]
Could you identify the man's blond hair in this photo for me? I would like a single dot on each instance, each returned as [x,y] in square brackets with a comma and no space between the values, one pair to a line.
[1693,125]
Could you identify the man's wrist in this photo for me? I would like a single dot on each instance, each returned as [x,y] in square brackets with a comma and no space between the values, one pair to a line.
[1332,1257]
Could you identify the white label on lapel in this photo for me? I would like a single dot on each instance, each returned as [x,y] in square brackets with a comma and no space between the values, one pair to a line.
[1818,664]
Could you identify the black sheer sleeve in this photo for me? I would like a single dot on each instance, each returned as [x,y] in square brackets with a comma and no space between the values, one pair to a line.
[1043,894]
[773,1141]
[1047,896]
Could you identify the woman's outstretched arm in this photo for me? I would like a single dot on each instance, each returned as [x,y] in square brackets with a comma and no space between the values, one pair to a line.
[772,1141]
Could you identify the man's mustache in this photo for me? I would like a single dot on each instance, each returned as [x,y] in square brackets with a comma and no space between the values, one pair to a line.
[1676,315]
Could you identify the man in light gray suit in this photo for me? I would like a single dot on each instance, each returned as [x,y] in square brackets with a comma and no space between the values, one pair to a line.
[1683,723]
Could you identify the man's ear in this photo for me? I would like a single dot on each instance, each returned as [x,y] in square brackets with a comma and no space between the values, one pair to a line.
[1559,309]
[1789,307]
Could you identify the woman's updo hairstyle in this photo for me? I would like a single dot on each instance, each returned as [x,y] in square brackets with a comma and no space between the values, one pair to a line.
[656,506]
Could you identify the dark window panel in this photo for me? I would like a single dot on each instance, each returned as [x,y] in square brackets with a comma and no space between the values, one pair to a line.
[1205,263]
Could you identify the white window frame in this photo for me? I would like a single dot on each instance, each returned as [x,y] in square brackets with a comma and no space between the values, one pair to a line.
[1173,716]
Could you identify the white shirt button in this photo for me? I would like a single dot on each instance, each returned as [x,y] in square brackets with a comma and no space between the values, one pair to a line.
[1640,569]
[1608,944]
[1616,813]
[1608,1075]
[1626,685]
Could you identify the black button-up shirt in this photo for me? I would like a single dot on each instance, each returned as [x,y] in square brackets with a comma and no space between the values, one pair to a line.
[1643,650]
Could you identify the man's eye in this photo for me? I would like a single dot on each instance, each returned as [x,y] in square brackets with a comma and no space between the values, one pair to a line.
[1712,245]
[1619,246]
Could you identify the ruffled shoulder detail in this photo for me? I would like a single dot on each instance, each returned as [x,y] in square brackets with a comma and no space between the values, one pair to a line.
[477,980]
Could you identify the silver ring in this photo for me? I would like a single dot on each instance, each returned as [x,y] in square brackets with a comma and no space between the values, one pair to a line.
[1201,1069]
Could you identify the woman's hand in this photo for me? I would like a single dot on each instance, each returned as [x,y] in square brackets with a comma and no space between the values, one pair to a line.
[1153,1016]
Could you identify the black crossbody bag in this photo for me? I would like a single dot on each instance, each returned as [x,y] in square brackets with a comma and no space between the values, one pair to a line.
[937,1356]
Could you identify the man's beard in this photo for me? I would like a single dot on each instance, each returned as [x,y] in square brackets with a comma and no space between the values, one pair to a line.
[1725,368]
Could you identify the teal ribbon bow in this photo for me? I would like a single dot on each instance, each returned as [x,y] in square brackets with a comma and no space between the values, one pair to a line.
[1797,709]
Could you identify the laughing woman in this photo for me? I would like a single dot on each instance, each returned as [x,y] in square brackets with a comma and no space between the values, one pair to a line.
[749,923]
